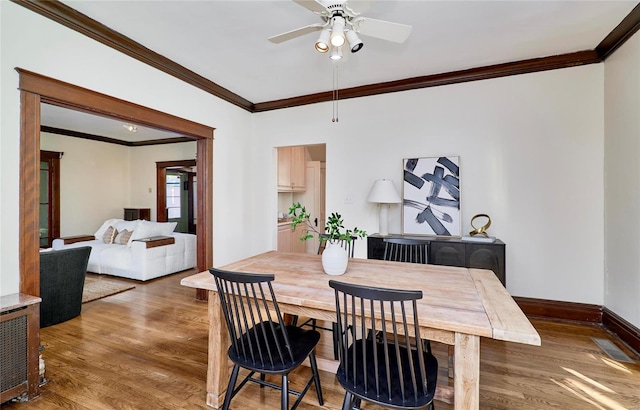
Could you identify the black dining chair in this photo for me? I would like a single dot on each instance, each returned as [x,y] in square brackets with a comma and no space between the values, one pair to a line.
[391,370]
[260,341]
[405,250]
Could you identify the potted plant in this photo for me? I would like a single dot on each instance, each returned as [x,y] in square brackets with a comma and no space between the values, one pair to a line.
[334,256]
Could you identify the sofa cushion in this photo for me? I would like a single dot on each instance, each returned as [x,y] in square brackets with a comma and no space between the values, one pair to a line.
[121,225]
[166,228]
[109,235]
[146,229]
[123,237]
[105,225]
[132,226]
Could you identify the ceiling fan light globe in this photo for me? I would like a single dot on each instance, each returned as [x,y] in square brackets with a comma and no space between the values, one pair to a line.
[355,44]
[337,41]
[337,32]
[322,45]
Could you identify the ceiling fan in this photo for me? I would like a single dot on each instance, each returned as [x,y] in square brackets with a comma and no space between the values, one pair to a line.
[342,22]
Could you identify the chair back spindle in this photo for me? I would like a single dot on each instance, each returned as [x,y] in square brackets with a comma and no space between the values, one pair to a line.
[406,250]
[256,330]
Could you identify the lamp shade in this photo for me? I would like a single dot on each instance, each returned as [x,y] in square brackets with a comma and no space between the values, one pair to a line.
[384,192]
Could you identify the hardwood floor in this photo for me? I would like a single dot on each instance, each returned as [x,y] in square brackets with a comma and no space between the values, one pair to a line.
[146,348]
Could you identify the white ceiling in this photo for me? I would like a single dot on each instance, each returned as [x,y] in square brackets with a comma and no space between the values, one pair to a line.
[226,41]
[67,119]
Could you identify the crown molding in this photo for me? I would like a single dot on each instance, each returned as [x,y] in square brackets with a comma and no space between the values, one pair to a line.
[81,23]
[93,137]
[69,17]
[619,35]
[474,74]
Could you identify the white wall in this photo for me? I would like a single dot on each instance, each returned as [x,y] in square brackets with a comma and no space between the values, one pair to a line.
[38,44]
[98,179]
[94,181]
[531,154]
[143,171]
[622,181]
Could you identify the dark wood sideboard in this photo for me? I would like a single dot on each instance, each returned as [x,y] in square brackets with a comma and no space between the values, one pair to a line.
[131,214]
[451,252]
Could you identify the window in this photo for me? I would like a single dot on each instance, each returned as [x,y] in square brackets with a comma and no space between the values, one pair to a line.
[49,197]
[173,196]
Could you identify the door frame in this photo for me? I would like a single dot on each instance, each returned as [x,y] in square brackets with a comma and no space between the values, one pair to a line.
[36,89]
[161,183]
[52,158]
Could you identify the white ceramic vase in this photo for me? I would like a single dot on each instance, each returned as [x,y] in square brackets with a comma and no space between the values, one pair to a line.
[334,259]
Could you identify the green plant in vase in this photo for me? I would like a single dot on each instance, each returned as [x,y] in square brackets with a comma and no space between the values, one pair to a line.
[334,228]
[335,257]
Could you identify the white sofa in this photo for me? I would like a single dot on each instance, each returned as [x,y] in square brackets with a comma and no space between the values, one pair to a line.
[132,258]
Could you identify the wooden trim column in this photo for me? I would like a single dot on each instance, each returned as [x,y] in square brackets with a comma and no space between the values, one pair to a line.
[29,241]
[161,194]
[204,169]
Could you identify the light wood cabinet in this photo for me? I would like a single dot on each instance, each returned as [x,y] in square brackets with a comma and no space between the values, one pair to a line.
[284,238]
[291,169]
[289,240]
[296,244]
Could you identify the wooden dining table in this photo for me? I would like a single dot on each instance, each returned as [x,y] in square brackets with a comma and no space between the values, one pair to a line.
[458,307]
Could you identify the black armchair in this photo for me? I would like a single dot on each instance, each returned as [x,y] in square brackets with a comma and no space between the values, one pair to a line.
[62,274]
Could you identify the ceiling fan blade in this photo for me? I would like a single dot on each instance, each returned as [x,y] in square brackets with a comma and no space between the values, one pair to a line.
[384,30]
[357,7]
[289,35]
[314,5]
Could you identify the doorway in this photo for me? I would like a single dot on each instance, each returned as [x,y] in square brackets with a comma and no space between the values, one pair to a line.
[311,195]
[177,187]
[36,89]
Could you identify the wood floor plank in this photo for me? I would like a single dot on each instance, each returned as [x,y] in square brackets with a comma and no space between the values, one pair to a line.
[146,348]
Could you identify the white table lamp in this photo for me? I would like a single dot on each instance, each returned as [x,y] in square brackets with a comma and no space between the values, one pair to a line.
[384,193]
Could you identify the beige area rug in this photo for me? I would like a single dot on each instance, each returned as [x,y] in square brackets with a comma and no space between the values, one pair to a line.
[98,288]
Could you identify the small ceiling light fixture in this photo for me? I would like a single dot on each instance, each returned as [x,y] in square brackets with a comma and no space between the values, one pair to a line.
[322,45]
[355,44]
[130,128]
[337,31]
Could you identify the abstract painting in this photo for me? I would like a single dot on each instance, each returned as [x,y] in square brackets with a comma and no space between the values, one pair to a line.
[431,196]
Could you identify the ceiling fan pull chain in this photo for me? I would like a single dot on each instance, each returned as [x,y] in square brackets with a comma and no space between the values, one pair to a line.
[335,93]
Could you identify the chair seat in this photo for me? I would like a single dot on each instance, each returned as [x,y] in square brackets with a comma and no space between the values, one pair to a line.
[382,395]
[302,343]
